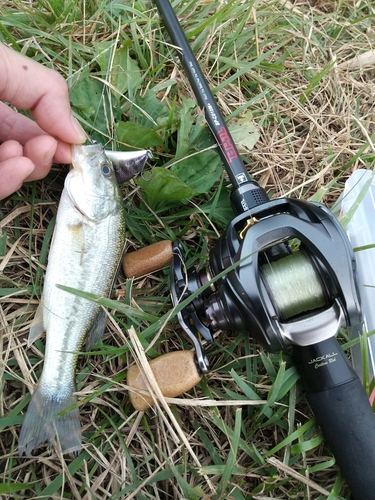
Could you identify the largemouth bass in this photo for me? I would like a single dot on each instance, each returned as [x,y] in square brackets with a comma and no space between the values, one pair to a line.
[85,252]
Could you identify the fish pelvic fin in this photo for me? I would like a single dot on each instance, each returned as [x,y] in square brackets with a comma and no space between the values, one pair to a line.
[43,423]
[37,326]
[96,332]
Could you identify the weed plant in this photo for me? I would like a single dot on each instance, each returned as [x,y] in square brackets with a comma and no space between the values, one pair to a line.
[301,110]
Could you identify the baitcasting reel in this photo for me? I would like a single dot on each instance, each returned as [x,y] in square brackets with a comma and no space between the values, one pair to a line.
[258,284]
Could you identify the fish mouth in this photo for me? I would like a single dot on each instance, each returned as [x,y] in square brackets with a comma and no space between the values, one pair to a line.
[87,151]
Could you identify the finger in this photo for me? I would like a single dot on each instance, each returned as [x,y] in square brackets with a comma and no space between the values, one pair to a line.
[29,85]
[10,149]
[15,126]
[12,174]
[63,153]
[40,150]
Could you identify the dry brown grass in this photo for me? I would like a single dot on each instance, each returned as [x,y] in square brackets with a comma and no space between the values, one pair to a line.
[312,136]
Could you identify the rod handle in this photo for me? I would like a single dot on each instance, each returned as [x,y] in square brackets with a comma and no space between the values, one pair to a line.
[343,411]
[348,424]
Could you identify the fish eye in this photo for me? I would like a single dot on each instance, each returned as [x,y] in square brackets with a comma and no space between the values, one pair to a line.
[106,170]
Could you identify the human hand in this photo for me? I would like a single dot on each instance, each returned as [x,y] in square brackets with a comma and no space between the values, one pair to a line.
[27,147]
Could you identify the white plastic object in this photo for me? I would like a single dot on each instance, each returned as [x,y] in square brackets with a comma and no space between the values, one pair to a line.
[358,218]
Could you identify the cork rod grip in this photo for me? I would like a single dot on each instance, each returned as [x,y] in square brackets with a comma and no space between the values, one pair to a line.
[148,259]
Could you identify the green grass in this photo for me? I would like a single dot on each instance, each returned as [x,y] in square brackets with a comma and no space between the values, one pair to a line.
[271,64]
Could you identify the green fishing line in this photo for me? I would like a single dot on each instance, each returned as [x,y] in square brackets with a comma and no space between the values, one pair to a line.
[294,284]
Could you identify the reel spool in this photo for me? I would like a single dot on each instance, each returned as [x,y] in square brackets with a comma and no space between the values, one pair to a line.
[294,285]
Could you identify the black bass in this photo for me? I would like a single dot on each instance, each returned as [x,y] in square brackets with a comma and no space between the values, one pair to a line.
[85,252]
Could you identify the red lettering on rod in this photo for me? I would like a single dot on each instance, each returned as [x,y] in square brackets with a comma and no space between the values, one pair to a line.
[227,144]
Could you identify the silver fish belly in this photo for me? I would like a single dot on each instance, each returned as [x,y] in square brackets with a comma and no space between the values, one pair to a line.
[86,249]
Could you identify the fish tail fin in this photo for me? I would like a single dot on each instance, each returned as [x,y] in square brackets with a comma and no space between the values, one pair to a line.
[43,423]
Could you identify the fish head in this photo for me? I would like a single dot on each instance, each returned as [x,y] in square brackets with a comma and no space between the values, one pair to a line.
[91,183]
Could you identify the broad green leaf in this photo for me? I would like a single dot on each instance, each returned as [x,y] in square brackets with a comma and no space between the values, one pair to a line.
[86,95]
[125,72]
[184,128]
[148,110]
[164,188]
[199,171]
[89,100]
[104,54]
[244,132]
[137,136]
[199,135]
[193,134]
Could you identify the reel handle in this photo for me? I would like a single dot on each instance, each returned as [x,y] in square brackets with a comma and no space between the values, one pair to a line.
[342,409]
[175,373]
[147,259]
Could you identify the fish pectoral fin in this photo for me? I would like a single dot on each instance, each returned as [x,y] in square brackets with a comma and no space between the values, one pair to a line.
[37,326]
[46,419]
[96,332]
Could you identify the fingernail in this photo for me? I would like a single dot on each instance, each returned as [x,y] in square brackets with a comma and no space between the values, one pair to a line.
[80,132]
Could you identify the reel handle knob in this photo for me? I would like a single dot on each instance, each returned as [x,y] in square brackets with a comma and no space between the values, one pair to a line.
[175,373]
[343,411]
[147,259]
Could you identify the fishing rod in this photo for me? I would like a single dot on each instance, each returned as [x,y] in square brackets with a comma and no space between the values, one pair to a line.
[246,193]
[286,295]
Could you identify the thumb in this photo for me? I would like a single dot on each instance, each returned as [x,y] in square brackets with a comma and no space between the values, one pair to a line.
[28,85]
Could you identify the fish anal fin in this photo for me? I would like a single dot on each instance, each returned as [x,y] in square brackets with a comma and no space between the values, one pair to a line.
[43,423]
[37,325]
[95,334]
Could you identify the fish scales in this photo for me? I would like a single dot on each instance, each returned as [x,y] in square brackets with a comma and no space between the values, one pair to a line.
[85,269]
[85,252]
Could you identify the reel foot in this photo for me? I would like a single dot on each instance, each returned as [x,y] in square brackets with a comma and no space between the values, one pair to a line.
[175,373]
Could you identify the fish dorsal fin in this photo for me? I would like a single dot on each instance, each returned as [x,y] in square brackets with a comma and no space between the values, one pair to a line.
[96,332]
[37,326]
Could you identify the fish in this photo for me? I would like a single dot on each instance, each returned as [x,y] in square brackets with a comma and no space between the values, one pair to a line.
[85,253]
